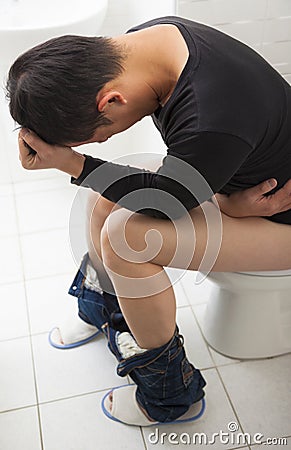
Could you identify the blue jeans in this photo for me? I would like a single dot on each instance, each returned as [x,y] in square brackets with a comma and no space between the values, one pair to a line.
[167,383]
[95,308]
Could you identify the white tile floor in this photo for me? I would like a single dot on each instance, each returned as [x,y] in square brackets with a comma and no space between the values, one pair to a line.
[50,399]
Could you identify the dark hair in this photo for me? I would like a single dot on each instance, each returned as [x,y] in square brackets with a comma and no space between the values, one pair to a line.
[52,87]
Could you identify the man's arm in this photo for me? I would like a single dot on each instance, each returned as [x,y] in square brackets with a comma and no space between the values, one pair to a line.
[254,202]
[249,202]
[48,156]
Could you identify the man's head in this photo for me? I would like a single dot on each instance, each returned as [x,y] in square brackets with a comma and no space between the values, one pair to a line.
[52,88]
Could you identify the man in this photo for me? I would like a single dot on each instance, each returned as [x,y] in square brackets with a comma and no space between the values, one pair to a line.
[224,114]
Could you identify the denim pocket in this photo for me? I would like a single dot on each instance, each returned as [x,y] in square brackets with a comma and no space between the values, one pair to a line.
[176,385]
[187,372]
[149,378]
[93,306]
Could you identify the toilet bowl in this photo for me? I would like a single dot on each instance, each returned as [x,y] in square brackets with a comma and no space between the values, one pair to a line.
[248,314]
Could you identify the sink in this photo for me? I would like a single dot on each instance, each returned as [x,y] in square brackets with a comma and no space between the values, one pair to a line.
[25,23]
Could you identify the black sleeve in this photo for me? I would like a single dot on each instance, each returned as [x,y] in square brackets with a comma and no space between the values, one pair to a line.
[190,174]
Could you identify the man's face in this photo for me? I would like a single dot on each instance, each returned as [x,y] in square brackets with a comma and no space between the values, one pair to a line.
[120,121]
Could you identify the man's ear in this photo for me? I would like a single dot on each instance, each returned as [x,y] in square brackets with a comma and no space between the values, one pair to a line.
[104,100]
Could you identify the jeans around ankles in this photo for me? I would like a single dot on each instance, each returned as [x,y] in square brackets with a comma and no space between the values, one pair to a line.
[96,308]
[168,384]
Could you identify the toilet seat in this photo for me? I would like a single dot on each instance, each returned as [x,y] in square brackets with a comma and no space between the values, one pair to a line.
[273,273]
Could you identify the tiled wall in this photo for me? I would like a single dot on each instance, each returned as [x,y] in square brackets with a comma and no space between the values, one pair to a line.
[143,137]
[123,14]
[263,24]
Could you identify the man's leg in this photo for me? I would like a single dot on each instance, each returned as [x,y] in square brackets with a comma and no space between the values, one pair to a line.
[97,302]
[98,209]
[248,244]
[144,292]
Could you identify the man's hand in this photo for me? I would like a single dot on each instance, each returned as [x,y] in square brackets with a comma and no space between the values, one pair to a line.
[47,156]
[253,202]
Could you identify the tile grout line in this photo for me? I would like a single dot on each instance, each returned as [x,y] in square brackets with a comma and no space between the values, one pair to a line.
[43,230]
[60,399]
[206,343]
[217,370]
[143,438]
[229,399]
[28,321]
[20,408]
[218,373]
[215,366]
[265,19]
[186,295]
[22,279]
[196,321]
[233,361]
[198,325]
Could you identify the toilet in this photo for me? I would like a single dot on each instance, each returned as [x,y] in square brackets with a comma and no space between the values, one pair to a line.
[248,314]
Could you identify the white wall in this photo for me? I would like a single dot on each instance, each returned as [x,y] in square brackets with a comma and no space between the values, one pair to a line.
[123,14]
[262,24]
[143,136]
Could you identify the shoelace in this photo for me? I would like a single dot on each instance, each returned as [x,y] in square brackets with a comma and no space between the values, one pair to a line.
[127,345]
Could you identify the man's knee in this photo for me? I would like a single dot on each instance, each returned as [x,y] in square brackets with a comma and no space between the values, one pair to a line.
[98,209]
[112,239]
[124,238]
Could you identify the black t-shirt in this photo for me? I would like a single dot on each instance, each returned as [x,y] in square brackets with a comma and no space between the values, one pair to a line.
[227,127]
